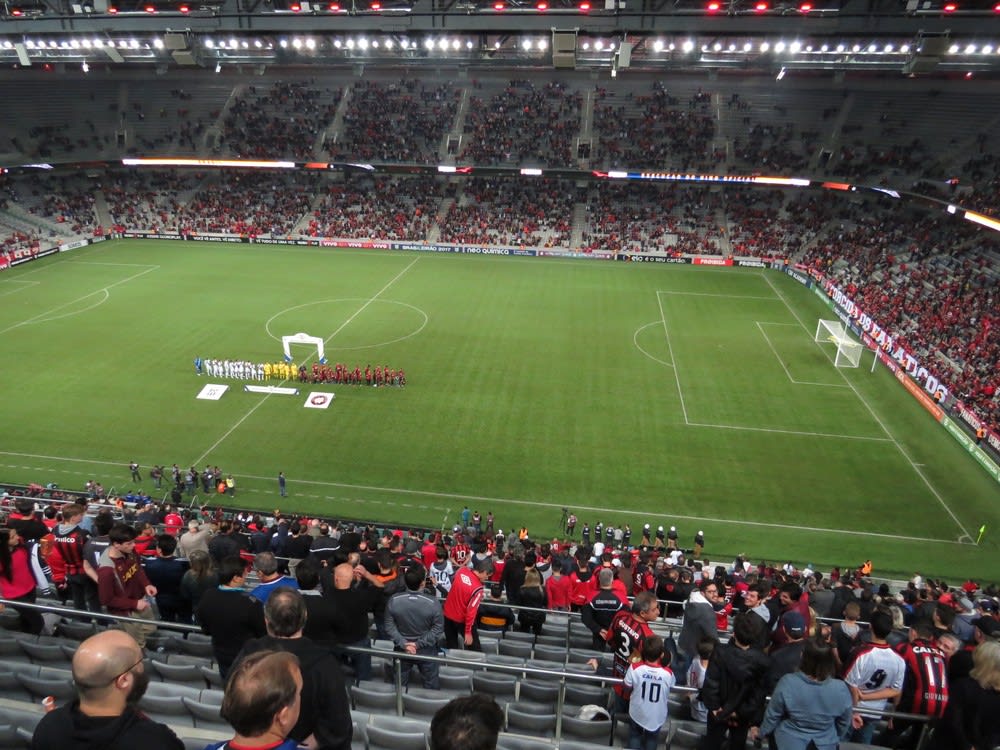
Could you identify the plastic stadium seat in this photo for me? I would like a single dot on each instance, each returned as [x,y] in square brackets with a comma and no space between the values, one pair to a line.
[179,674]
[212,676]
[577,745]
[525,721]
[78,631]
[455,679]
[551,640]
[44,653]
[423,706]
[592,731]
[520,649]
[196,645]
[380,738]
[580,694]
[688,734]
[378,697]
[550,653]
[583,655]
[497,685]
[167,708]
[458,655]
[517,635]
[489,645]
[544,692]
[204,715]
[40,687]
[518,742]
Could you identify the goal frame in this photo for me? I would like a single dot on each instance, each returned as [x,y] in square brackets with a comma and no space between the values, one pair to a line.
[848,350]
[304,338]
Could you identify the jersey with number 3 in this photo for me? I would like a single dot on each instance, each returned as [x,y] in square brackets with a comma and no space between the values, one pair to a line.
[875,666]
[650,683]
[626,634]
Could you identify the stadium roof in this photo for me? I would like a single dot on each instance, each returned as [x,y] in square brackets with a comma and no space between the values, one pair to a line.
[896,36]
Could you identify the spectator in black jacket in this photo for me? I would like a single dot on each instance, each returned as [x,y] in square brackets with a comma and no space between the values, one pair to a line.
[598,613]
[735,689]
[230,615]
[324,715]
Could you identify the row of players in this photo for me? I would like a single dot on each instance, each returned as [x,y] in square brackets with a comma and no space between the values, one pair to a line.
[241,370]
[343,374]
[339,373]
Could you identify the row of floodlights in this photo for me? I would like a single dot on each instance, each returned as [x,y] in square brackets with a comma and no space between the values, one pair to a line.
[528,45]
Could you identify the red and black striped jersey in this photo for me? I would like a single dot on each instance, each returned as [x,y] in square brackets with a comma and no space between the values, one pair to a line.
[925,686]
[69,546]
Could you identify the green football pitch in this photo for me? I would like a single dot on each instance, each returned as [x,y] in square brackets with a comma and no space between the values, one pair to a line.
[670,395]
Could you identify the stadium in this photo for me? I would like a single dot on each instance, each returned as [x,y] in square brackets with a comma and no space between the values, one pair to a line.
[729,268]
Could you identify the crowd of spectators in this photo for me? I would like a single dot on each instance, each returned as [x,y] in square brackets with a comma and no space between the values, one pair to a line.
[524,123]
[254,204]
[412,583]
[402,121]
[654,130]
[285,121]
[148,201]
[503,211]
[932,284]
[383,208]
[652,217]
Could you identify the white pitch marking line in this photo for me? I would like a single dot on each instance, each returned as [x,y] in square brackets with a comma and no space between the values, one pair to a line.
[102,263]
[876,418]
[670,348]
[42,317]
[327,339]
[724,296]
[792,432]
[27,285]
[501,500]
[635,340]
[782,362]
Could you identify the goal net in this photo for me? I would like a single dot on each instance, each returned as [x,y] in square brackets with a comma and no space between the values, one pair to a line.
[848,350]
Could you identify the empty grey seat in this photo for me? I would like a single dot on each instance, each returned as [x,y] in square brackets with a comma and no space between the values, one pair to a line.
[517,635]
[78,631]
[42,687]
[422,705]
[523,720]
[455,679]
[539,691]
[179,674]
[44,653]
[212,676]
[196,645]
[373,697]
[497,685]
[521,649]
[519,742]
[204,715]
[592,731]
[581,694]
[550,653]
[551,640]
[380,738]
[169,709]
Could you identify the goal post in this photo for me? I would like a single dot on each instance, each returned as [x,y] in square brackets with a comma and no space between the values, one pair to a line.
[848,350]
[304,338]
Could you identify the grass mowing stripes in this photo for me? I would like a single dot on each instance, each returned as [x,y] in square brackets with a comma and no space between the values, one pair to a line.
[533,385]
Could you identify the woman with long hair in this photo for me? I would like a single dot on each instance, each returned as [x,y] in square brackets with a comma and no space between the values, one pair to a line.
[532,595]
[972,718]
[17,581]
[199,577]
[810,705]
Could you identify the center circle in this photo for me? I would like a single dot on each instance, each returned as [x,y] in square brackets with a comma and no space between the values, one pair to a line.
[315,319]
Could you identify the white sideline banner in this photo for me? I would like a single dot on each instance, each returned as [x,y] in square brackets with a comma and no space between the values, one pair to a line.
[212,392]
[319,400]
[276,389]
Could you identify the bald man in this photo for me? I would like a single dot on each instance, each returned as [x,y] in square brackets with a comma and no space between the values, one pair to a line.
[110,679]
[353,600]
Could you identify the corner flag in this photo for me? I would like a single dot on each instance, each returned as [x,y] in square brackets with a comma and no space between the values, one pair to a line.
[982,530]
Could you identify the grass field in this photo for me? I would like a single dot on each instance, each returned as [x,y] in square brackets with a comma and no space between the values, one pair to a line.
[630,393]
